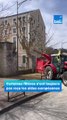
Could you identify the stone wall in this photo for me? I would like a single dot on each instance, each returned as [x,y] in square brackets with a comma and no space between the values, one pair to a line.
[8,59]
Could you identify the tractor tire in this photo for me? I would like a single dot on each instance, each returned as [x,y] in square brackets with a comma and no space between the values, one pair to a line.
[64,78]
[48,73]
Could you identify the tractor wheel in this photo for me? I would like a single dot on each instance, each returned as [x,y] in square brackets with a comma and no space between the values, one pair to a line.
[48,73]
[64,78]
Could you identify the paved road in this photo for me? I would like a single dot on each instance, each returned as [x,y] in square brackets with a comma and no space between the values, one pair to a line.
[49,106]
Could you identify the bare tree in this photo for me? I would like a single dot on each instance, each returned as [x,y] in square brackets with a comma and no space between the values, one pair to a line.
[35,36]
[5,28]
[5,31]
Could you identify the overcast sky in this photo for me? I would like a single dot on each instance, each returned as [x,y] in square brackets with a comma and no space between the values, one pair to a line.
[48,8]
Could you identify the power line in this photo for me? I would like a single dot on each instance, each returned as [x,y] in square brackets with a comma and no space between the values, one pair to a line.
[19,4]
[4,9]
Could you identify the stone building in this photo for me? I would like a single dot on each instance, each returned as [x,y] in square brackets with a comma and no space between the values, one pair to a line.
[30,29]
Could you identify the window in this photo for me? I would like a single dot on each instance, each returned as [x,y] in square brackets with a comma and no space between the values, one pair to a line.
[24,58]
[19,18]
[23,29]
[5,32]
[31,19]
[14,30]
[34,21]
[14,39]
[23,18]
[14,20]
[5,22]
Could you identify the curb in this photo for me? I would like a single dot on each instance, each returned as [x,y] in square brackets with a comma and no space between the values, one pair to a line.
[16,104]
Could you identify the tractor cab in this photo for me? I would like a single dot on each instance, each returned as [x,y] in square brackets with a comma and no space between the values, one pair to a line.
[59,61]
[64,61]
[56,60]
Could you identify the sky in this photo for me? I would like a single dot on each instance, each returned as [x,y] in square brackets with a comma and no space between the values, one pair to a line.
[48,9]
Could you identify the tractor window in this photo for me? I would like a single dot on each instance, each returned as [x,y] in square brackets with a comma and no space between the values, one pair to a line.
[56,59]
[64,58]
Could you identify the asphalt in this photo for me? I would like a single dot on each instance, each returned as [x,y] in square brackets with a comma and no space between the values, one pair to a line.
[33,106]
[48,106]
[14,97]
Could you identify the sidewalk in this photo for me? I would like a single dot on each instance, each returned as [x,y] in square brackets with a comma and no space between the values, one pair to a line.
[4,96]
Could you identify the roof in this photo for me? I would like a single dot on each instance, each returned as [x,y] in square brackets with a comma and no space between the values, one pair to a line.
[64,53]
[54,55]
[20,13]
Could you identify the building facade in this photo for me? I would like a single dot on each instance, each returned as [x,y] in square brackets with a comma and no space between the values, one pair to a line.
[28,30]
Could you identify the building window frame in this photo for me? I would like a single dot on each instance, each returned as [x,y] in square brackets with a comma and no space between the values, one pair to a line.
[14,30]
[5,32]
[24,30]
[24,20]
[5,22]
[14,39]
[24,59]
[14,20]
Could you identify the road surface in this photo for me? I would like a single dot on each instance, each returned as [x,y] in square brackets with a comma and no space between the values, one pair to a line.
[49,106]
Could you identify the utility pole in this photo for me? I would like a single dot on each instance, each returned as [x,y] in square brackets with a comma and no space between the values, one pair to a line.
[17,35]
[18,5]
